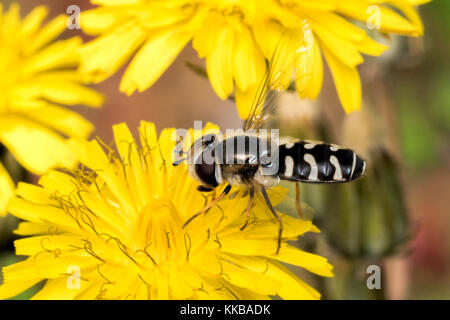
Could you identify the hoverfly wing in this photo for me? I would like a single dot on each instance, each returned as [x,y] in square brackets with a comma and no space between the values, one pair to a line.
[285,201]
[292,44]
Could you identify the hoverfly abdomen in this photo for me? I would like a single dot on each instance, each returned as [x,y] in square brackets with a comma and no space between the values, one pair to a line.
[318,163]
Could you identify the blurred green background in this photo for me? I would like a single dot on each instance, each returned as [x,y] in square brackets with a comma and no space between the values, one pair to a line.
[406,115]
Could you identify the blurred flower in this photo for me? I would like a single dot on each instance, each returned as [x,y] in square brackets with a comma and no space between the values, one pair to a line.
[36,75]
[236,37]
[120,224]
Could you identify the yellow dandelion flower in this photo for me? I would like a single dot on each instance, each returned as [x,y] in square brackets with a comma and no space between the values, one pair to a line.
[37,76]
[236,37]
[115,227]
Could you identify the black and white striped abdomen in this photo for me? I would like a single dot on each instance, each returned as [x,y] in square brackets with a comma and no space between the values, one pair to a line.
[318,162]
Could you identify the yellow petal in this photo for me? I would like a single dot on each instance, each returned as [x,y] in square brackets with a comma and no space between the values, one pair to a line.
[12,289]
[158,14]
[206,258]
[123,139]
[33,193]
[205,38]
[311,262]
[46,265]
[309,73]
[340,26]
[33,21]
[53,181]
[418,2]
[116,2]
[61,119]
[21,273]
[219,64]
[32,245]
[32,228]
[63,92]
[259,282]
[37,213]
[411,13]
[57,289]
[153,59]
[293,288]
[267,34]
[230,244]
[6,189]
[246,294]
[326,5]
[35,147]
[99,20]
[292,227]
[129,154]
[180,289]
[90,291]
[92,155]
[347,82]
[341,48]
[390,21]
[11,20]
[103,56]
[289,45]
[370,46]
[59,54]
[245,100]
[47,34]
[248,61]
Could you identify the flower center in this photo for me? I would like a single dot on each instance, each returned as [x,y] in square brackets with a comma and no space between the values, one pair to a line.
[159,233]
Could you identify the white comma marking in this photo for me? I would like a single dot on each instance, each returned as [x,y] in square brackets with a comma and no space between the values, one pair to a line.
[338,172]
[218,174]
[289,145]
[313,174]
[289,163]
[353,165]
[334,148]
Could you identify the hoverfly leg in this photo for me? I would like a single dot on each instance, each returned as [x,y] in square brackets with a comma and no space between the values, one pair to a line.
[280,223]
[201,188]
[178,162]
[298,205]
[251,196]
[209,206]
[180,153]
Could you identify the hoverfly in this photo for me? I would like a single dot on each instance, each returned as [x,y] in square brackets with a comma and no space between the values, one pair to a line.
[254,168]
